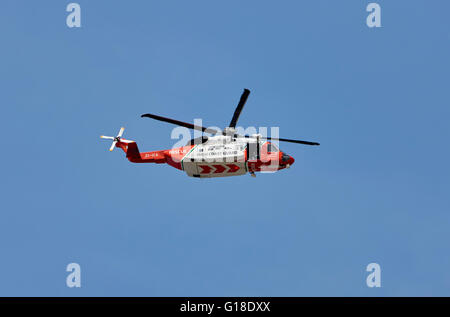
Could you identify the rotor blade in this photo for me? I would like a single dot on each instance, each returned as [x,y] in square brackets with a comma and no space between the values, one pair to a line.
[121,132]
[180,123]
[239,108]
[113,145]
[291,141]
[107,137]
[277,139]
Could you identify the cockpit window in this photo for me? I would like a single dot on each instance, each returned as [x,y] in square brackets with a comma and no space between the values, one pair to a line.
[272,148]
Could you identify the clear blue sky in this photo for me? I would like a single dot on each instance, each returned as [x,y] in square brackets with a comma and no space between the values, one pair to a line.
[376,190]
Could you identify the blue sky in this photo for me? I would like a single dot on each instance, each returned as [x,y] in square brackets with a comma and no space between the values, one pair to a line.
[376,190]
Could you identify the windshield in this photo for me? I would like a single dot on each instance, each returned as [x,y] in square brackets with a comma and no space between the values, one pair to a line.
[272,148]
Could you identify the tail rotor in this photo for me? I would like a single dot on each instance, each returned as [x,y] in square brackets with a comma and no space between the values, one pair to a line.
[115,139]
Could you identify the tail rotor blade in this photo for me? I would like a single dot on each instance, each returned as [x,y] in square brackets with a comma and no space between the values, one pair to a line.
[121,132]
[113,146]
[107,137]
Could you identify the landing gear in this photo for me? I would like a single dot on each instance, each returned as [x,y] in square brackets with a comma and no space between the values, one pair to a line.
[252,174]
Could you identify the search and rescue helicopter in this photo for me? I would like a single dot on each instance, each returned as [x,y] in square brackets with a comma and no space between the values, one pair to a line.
[226,153]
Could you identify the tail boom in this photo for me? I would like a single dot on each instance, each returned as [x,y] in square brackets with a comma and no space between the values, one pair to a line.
[133,155]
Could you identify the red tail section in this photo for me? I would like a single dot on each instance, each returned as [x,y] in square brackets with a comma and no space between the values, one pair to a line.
[133,155]
[131,150]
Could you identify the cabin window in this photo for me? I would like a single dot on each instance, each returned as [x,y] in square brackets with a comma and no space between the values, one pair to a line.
[272,148]
[252,151]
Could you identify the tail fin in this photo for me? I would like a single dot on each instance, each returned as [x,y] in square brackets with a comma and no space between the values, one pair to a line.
[131,149]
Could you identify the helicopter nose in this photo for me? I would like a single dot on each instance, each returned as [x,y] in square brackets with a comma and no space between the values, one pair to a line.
[287,159]
[291,160]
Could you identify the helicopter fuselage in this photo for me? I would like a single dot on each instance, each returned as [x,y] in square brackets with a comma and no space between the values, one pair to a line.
[217,156]
[225,153]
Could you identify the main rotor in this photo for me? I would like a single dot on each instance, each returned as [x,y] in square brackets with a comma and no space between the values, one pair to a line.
[231,129]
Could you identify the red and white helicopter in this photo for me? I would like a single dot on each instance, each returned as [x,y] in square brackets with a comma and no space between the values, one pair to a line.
[226,153]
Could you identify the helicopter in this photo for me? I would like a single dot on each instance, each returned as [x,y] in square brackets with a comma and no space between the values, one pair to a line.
[225,153]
